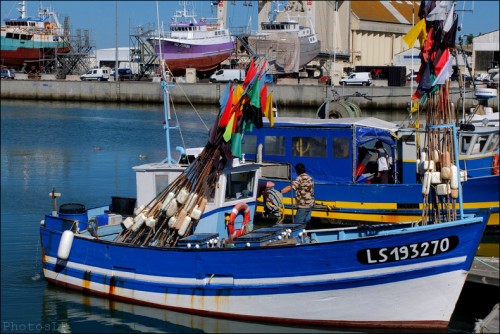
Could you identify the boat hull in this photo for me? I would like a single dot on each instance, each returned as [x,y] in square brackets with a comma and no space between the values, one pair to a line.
[13,53]
[180,55]
[298,51]
[325,283]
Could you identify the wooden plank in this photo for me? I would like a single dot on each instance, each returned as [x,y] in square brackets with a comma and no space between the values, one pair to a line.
[489,324]
[484,270]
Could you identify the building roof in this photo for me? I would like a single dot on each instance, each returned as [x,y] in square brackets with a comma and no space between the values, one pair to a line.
[396,11]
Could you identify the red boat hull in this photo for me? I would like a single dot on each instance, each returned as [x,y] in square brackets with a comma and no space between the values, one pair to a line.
[201,64]
[28,55]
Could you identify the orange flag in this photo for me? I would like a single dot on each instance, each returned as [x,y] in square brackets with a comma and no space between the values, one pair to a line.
[269,109]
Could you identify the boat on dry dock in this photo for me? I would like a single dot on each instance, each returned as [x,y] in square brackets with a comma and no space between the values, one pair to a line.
[27,40]
[284,41]
[191,43]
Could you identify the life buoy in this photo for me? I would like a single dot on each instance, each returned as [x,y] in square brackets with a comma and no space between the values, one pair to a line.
[496,165]
[47,25]
[239,208]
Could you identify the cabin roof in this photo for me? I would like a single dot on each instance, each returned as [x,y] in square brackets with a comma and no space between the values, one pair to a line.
[400,12]
[370,122]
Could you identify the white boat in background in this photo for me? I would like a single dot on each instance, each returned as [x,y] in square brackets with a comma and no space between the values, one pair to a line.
[285,43]
[488,118]
[485,93]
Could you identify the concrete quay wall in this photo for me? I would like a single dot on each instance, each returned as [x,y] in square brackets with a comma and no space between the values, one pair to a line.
[284,95]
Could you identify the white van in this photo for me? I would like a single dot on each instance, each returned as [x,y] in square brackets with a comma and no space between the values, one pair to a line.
[101,74]
[226,75]
[360,78]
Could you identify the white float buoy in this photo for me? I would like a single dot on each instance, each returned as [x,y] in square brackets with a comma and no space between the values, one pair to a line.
[128,222]
[182,196]
[167,200]
[150,222]
[184,226]
[65,245]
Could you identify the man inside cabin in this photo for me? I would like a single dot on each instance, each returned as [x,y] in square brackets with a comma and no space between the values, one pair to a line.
[382,162]
[304,195]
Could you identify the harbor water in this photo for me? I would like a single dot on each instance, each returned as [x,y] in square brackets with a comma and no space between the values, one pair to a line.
[86,151]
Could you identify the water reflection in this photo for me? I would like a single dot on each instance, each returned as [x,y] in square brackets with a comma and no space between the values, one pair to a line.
[70,312]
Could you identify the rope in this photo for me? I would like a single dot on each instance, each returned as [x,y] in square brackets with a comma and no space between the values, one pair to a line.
[486,264]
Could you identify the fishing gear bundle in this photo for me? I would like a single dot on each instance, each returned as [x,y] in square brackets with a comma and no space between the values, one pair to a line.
[437,165]
[172,214]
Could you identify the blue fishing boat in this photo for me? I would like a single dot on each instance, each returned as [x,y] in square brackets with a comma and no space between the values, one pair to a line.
[340,156]
[195,246]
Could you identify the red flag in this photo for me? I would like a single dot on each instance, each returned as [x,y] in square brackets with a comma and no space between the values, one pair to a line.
[443,60]
[252,70]
[263,99]
[227,110]
[429,42]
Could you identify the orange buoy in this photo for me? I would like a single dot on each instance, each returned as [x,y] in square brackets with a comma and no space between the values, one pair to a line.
[495,165]
[239,208]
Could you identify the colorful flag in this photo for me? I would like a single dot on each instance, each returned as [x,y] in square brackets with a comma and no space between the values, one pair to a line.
[229,129]
[237,93]
[252,70]
[228,108]
[442,61]
[269,108]
[253,94]
[427,47]
[414,106]
[445,73]
[263,99]
[236,145]
[418,31]
[224,98]
[449,19]
[450,37]
[439,12]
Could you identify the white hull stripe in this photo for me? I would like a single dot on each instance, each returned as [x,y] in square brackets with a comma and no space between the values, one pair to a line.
[373,273]
[422,299]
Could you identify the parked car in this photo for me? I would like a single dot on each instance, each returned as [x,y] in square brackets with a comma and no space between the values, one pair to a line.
[124,73]
[359,78]
[466,78]
[101,74]
[412,76]
[228,75]
[7,74]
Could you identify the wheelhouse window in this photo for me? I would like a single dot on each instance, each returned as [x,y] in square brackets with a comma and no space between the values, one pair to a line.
[465,144]
[341,148]
[274,145]
[249,144]
[492,146]
[239,185]
[480,143]
[309,147]
[161,182]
